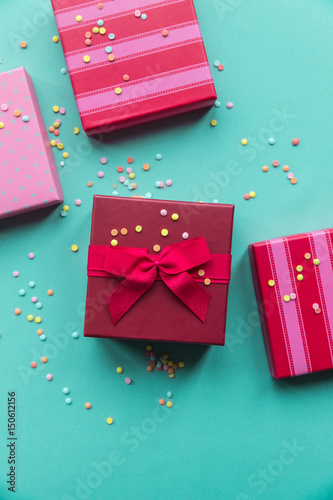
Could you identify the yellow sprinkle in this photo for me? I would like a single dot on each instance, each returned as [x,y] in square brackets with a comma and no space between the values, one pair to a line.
[201,272]
[95,30]
[181,364]
[164,232]
[56,109]
[174,216]
[60,146]
[53,143]
[117,90]
[74,248]
[2,124]
[207,281]
[30,317]
[78,18]
[55,39]
[252,194]
[65,155]
[286,298]
[170,362]
[271,283]
[76,130]
[109,420]
[56,124]
[149,347]
[102,31]
[299,269]
[300,277]
[38,320]
[65,208]
[169,403]
[244,142]
[213,123]
[86,59]
[119,369]
[131,175]
[138,229]
[171,375]
[316,262]
[114,243]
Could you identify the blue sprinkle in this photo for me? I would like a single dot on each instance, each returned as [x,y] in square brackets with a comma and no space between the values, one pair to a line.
[32,284]
[158,157]
[126,182]
[65,390]
[112,36]
[42,337]
[25,118]
[148,195]
[63,71]
[115,193]
[217,63]
[75,335]
[68,401]
[100,22]
[108,49]
[39,305]
[143,17]
[217,104]
[169,394]
[22,292]
[63,213]
[271,141]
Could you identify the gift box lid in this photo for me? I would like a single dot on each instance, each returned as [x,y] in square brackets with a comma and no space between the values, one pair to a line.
[159,314]
[152,52]
[293,279]
[28,173]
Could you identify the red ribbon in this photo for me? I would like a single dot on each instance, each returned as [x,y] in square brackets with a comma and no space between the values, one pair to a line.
[174,265]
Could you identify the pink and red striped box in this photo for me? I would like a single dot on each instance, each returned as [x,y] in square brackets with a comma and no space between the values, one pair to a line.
[168,75]
[295,303]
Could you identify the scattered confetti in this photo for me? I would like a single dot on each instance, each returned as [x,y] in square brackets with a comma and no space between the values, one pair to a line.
[87,406]
[128,381]
[49,376]
[295,142]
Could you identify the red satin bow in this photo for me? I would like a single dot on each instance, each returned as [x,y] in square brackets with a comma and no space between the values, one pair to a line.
[141,270]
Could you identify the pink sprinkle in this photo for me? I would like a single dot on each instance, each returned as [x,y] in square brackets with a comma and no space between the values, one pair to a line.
[293,296]
[87,41]
[315,306]
[129,170]
[163,212]
[62,111]
[290,175]
[122,178]
[4,107]
[49,376]
[275,163]
[100,175]
[57,141]
[185,236]
[295,142]
[246,196]
[128,380]
[230,105]
[34,299]
[31,255]
[165,367]
[169,182]
[137,13]
[33,364]
[77,202]
[16,274]
[161,184]
[58,119]
[100,6]
[103,160]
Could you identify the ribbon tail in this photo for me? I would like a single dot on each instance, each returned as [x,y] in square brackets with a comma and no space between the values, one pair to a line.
[189,292]
[129,291]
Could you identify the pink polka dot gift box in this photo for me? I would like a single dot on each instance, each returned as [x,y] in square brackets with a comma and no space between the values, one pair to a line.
[29,178]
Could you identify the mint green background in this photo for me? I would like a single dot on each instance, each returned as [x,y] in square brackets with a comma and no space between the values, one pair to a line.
[230,420]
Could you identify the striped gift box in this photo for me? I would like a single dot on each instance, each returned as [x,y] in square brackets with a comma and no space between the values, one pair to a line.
[168,75]
[293,279]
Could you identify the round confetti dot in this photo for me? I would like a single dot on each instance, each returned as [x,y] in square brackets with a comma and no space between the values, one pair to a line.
[62,111]
[30,317]
[56,109]
[108,49]
[307,256]
[181,364]
[55,39]
[131,175]
[230,105]
[156,248]
[146,166]
[316,262]
[169,403]
[65,390]
[100,175]
[275,163]
[293,180]
[271,283]
[129,170]
[87,42]
[74,248]
[252,194]
[100,6]
[169,394]
[295,142]
[185,236]
[246,196]
[38,320]
[23,44]
[207,281]
[163,212]
[78,18]
[318,310]
[102,31]
[128,381]
[117,90]
[78,202]
[271,141]
[109,421]
[244,142]
[25,118]
[285,168]
[76,130]
[290,175]
[75,335]
[49,376]
[299,268]
[286,298]
[68,401]
[16,274]
[150,368]
[137,13]
[100,22]
[95,30]
[138,229]
[220,67]
[315,305]
[169,182]
[114,232]
[124,231]
[88,34]
[201,272]
[174,216]
[50,292]
[2,124]
[143,17]
[120,369]
[22,292]
[114,243]
[63,71]
[126,78]
[112,36]
[33,364]
[293,296]
[165,32]
[300,277]
[31,255]
[90,184]
[32,284]
[161,402]
[87,406]
[217,104]
[103,160]
[43,359]
[17,112]
[4,107]
[17,311]
[111,57]
[164,232]
[34,299]
[122,179]
[40,331]
[213,123]
[42,337]
[265,168]
[86,58]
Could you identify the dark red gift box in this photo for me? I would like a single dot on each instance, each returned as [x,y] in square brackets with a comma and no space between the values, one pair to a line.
[293,280]
[159,314]
[158,61]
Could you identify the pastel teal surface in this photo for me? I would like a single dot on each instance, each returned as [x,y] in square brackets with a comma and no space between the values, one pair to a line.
[234,432]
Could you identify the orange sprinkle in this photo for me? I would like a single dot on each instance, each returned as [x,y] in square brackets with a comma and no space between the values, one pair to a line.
[124,231]
[156,248]
[17,112]
[114,186]
[23,44]
[265,168]
[146,166]
[171,370]
[175,366]
[318,310]
[51,129]
[17,311]
[207,281]
[50,292]
[201,272]
[87,406]
[125,78]
[114,232]
[130,160]
[165,32]
[120,169]
[39,331]
[111,57]
[293,180]
[89,184]
[43,359]
[307,256]
[134,185]
[150,369]
[162,402]
[285,168]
